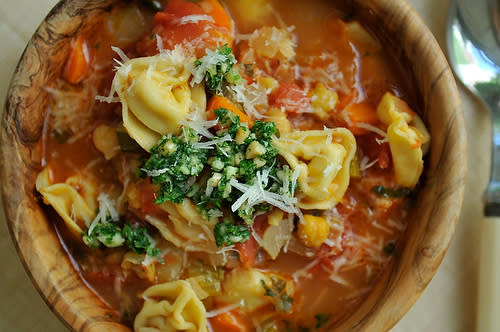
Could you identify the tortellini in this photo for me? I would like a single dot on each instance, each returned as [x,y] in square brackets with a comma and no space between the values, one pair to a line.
[185,227]
[250,287]
[408,138]
[322,159]
[245,284]
[155,95]
[75,208]
[169,307]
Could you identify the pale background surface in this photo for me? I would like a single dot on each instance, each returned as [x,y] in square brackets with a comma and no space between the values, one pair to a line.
[448,304]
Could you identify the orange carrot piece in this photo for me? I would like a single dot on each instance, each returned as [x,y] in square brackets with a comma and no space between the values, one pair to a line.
[218,13]
[78,62]
[361,113]
[217,102]
[230,321]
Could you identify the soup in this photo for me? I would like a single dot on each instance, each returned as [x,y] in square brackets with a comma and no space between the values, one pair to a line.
[230,166]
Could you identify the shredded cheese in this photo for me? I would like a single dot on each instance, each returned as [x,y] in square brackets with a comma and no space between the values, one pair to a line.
[212,143]
[106,207]
[252,97]
[371,128]
[193,19]
[255,194]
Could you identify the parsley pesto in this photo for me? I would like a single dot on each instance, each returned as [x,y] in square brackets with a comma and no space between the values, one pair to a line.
[213,172]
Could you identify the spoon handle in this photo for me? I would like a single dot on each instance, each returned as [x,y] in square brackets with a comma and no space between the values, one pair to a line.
[488,319]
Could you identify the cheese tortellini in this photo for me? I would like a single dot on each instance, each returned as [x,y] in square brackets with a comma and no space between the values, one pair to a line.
[169,307]
[76,207]
[185,227]
[322,158]
[156,96]
[408,138]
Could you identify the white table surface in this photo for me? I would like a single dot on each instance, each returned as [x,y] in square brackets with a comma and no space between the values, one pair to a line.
[448,304]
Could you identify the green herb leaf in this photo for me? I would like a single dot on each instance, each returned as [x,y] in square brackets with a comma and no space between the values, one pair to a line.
[268,291]
[218,68]
[390,192]
[139,240]
[226,233]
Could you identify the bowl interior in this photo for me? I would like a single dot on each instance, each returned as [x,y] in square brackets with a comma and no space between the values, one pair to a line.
[431,225]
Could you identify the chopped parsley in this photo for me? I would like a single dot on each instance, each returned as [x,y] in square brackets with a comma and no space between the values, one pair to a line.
[226,233]
[173,161]
[111,235]
[139,240]
[216,172]
[216,68]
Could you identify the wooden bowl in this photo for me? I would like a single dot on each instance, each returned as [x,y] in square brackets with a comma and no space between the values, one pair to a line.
[431,226]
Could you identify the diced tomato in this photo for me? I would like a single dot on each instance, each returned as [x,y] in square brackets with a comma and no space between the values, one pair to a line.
[145,197]
[247,251]
[291,97]
[230,321]
[371,148]
[360,113]
[180,24]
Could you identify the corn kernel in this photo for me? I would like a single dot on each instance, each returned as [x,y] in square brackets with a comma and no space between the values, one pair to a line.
[269,83]
[323,100]
[255,149]
[313,231]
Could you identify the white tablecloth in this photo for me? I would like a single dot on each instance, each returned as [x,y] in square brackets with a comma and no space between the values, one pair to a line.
[448,304]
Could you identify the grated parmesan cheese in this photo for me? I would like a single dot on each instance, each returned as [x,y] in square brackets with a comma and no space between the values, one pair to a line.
[371,128]
[253,97]
[255,194]
[193,19]
[210,144]
[106,207]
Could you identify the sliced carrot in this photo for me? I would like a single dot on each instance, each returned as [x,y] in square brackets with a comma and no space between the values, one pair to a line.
[230,321]
[361,113]
[218,13]
[247,251]
[78,62]
[217,102]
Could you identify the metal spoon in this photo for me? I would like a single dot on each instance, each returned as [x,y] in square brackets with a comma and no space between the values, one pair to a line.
[474,54]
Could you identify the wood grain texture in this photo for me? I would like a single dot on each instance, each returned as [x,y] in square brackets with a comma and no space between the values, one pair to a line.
[432,222]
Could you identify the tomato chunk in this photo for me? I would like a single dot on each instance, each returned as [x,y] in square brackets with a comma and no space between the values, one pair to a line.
[291,97]
[188,24]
